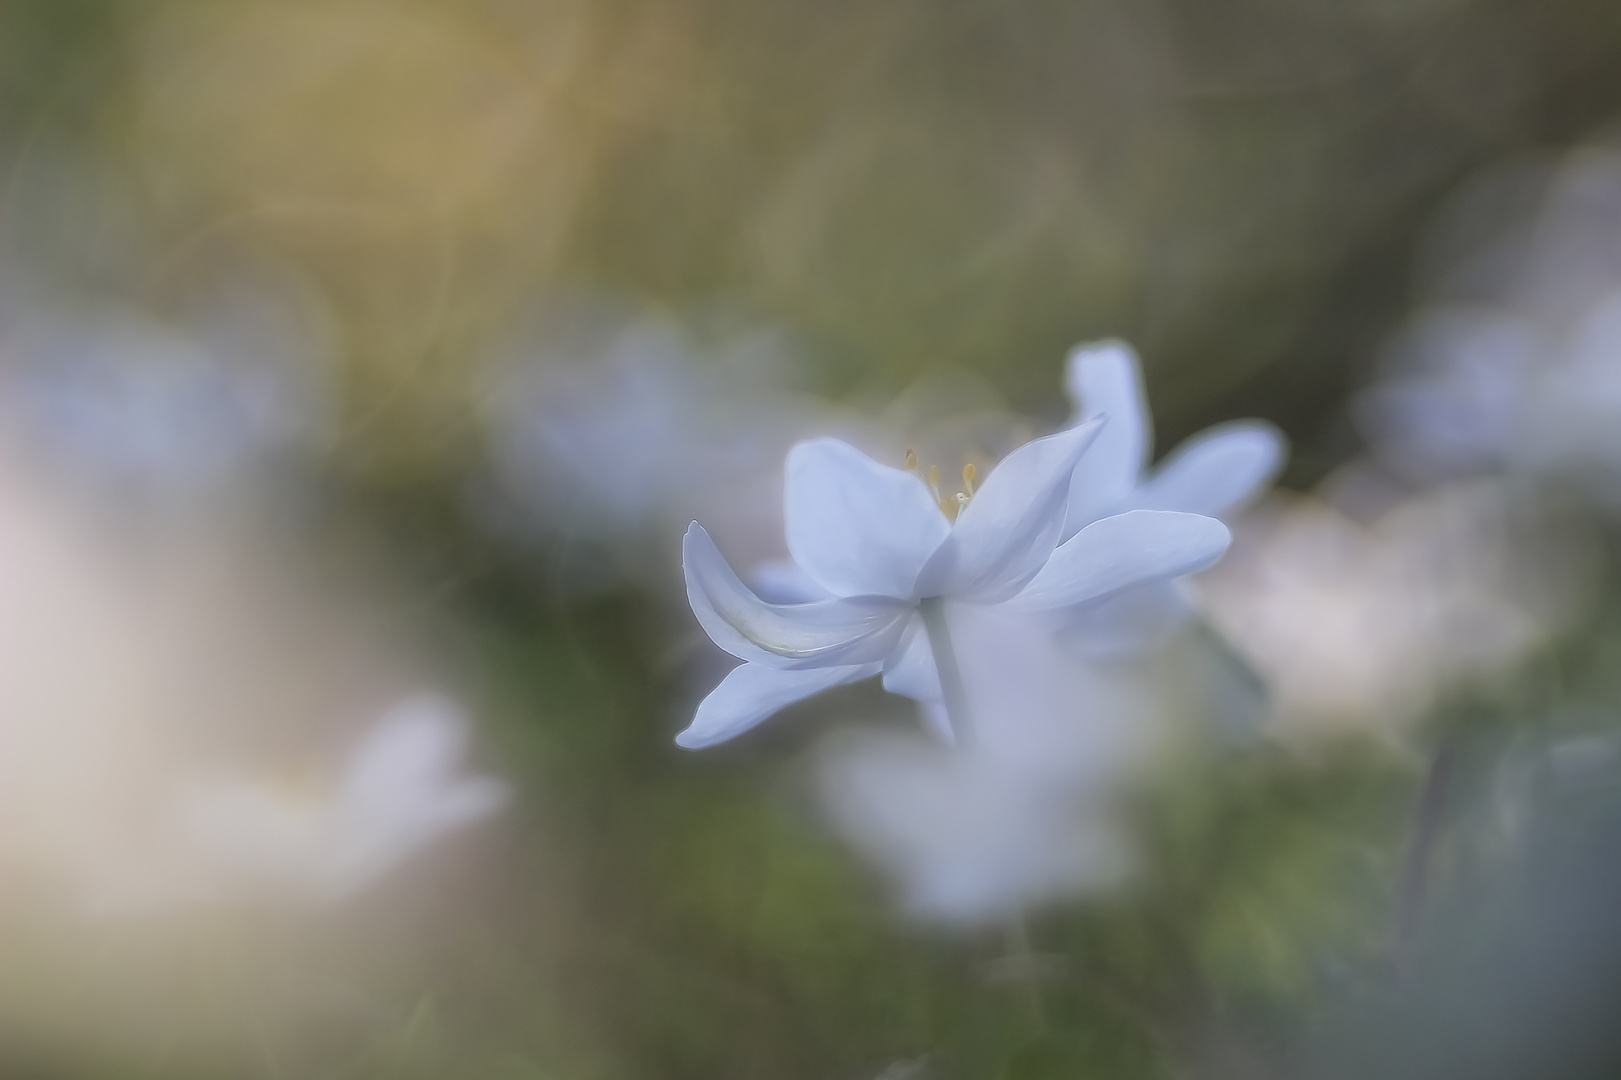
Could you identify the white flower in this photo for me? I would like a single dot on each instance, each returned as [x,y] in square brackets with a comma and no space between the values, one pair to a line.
[1030,812]
[1216,472]
[398,792]
[889,552]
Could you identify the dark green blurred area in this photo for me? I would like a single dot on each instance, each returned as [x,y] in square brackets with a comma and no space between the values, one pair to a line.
[1238,187]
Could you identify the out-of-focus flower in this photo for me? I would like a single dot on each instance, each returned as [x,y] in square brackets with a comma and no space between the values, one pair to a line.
[1216,472]
[1034,810]
[1025,813]
[397,792]
[1358,625]
[890,551]
[965,837]
[1516,363]
[610,434]
[111,399]
[144,685]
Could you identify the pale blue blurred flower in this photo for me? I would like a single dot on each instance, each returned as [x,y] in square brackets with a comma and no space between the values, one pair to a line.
[1515,364]
[878,543]
[607,434]
[112,399]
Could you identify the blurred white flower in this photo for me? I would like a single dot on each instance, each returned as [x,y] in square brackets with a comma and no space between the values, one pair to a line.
[1516,363]
[1367,626]
[1026,812]
[608,435]
[398,791]
[112,399]
[144,687]
[224,836]
[889,551]
[965,837]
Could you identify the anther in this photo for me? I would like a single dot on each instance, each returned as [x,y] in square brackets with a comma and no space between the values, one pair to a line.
[911,461]
[968,474]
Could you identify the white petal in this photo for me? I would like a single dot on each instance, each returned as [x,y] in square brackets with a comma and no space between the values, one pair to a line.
[1216,471]
[782,581]
[409,752]
[858,528]
[861,630]
[1127,549]
[1004,535]
[1129,621]
[911,672]
[937,721]
[753,692]
[1105,379]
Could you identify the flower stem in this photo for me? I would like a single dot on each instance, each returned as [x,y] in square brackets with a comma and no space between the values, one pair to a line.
[955,700]
[1415,871]
[953,697]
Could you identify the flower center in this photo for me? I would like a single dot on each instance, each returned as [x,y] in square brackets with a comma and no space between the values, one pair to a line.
[950,505]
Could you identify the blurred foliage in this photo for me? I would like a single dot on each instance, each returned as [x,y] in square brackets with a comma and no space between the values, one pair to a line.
[1233,186]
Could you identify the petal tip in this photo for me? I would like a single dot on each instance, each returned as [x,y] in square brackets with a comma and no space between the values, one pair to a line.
[1090,358]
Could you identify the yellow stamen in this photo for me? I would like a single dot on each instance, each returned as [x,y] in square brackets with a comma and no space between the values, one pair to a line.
[950,505]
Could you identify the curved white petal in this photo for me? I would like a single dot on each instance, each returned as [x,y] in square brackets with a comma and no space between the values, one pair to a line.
[857,527]
[1104,379]
[1215,471]
[753,692]
[910,672]
[1005,534]
[861,630]
[783,581]
[1127,549]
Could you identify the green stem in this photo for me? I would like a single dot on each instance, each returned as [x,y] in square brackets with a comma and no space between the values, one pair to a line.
[1035,1004]
[953,697]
